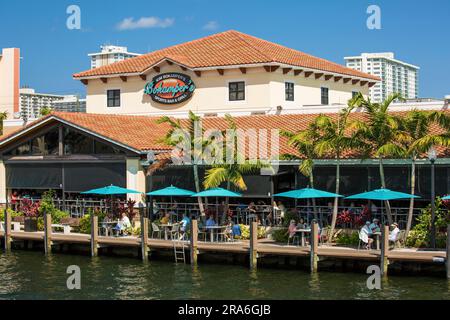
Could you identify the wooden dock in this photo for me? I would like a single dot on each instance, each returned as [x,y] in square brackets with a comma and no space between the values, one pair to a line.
[264,247]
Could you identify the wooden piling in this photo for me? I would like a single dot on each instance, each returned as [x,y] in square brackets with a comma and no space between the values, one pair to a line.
[253,245]
[94,235]
[47,233]
[314,246]
[384,261]
[144,238]
[448,252]
[7,230]
[194,241]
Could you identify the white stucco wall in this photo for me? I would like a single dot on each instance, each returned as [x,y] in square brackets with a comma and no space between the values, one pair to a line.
[265,91]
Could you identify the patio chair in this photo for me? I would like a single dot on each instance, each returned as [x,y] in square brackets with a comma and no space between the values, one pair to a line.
[295,239]
[324,235]
[400,241]
[157,230]
[174,233]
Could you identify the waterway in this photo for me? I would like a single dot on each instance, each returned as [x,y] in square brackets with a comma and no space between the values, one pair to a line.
[31,275]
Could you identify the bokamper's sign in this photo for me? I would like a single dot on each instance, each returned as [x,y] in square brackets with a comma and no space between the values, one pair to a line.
[170,88]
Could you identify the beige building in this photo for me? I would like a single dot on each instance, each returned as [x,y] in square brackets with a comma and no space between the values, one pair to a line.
[10,81]
[230,72]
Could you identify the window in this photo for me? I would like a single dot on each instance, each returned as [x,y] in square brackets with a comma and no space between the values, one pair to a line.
[236,91]
[113,98]
[289,91]
[324,96]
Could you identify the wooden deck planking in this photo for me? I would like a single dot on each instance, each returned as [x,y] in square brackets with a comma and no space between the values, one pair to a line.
[242,247]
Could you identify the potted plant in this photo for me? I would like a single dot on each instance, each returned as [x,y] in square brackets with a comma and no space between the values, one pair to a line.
[30,210]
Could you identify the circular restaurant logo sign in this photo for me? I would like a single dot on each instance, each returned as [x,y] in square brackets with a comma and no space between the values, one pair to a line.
[170,88]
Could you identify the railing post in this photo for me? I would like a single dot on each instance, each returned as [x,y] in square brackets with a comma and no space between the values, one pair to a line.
[7,230]
[144,238]
[47,233]
[448,252]
[253,245]
[194,240]
[384,261]
[314,246]
[94,235]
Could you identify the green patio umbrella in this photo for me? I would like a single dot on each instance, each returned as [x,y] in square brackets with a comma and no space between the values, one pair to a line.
[307,193]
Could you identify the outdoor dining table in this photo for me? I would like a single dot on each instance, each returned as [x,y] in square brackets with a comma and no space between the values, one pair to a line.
[108,226]
[167,227]
[377,239]
[214,230]
[303,231]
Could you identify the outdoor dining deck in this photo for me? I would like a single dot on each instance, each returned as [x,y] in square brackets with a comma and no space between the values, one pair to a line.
[264,248]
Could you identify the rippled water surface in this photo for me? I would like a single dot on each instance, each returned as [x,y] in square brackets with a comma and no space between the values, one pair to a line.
[31,275]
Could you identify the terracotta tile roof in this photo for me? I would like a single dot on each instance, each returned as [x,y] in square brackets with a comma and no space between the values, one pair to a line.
[224,49]
[142,133]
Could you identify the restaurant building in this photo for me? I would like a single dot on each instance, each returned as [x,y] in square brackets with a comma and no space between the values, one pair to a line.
[262,84]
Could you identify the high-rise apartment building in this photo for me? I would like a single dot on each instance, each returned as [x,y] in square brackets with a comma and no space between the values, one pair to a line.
[397,76]
[110,54]
[31,103]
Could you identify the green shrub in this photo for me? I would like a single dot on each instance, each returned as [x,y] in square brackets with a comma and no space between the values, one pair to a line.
[11,212]
[348,239]
[280,235]
[85,224]
[245,232]
[419,236]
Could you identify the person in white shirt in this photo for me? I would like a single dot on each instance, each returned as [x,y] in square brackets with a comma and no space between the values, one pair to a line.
[364,235]
[393,235]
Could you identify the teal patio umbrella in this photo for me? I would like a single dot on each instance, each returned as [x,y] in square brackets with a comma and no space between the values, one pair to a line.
[110,191]
[307,193]
[171,192]
[217,193]
[446,198]
[382,195]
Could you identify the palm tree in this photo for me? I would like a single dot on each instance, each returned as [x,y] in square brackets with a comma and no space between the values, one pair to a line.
[417,124]
[305,142]
[232,172]
[379,132]
[3,117]
[334,141]
[194,132]
[45,111]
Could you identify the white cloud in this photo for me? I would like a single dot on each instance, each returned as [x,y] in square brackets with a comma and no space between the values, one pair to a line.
[211,26]
[145,23]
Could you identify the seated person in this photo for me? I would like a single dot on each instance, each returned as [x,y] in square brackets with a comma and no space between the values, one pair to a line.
[292,230]
[185,223]
[364,235]
[236,231]
[210,222]
[375,226]
[123,224]
[393,235]
[165,219]
[301,224]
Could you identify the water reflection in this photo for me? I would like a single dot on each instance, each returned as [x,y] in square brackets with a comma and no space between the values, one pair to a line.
[31,275]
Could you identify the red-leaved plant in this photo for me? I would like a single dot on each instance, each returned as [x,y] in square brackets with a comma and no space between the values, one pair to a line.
[29,208]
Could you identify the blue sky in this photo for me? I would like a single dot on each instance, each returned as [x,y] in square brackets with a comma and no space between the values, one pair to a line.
[417,31]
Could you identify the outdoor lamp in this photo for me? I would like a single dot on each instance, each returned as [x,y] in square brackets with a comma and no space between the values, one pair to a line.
[432,154]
